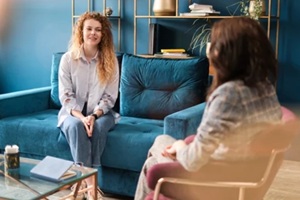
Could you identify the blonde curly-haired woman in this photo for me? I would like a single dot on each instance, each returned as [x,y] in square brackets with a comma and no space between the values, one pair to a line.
[88,89]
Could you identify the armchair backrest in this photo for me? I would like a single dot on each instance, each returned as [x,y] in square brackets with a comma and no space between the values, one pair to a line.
[275,137]
[156,87]
[223,180]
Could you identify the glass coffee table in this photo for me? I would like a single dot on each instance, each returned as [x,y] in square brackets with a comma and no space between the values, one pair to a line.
[19,184]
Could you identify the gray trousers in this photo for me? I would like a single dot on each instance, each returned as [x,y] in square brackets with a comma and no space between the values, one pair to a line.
[154,157]
[87,150]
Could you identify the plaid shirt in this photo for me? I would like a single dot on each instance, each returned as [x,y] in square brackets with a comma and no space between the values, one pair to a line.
[227,123]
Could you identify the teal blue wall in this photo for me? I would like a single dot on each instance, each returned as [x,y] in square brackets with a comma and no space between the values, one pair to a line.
[37,29]
[289,52]
[40,27]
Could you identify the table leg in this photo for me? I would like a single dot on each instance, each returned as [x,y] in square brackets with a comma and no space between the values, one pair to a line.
[95,184]
[77,188]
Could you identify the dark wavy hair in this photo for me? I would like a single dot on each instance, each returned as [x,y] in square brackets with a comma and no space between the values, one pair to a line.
[241,50]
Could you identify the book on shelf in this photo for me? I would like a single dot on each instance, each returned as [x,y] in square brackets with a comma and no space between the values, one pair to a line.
[200,10]
[172,55]
[207,12]
[175,54]
[53,169]
[200,6]
[172,50]
[194,14]
[200,13]
[203,10]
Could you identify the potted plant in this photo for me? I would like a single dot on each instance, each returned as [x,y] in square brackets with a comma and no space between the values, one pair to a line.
[253,8]
[200,37]
[250,8]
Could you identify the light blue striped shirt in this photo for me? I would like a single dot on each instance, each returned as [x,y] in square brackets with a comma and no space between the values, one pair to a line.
[79,83]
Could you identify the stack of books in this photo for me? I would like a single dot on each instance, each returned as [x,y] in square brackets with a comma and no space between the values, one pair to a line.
[200,10]
[172,53]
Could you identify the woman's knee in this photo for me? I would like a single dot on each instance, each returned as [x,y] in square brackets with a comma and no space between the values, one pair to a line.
[73,125]
[163,138]
[105,123]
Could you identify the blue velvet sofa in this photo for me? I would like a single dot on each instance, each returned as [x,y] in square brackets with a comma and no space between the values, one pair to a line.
[157,96]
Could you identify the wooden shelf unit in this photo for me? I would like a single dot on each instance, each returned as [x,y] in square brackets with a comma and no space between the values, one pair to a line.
[269,17]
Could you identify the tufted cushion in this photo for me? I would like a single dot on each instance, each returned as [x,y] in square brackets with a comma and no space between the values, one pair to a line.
[36,134]
[54,79]
[156,87]
[130,134]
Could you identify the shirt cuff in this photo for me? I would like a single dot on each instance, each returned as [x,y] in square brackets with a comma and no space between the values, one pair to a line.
[104,109]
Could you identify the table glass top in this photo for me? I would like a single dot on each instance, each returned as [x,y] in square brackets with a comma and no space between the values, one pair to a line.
[19,184]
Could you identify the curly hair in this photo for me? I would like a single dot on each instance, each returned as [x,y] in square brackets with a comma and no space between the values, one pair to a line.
[106,53]
[241,50]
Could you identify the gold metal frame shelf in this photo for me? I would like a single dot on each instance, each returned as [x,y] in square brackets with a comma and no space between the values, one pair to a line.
[270,17]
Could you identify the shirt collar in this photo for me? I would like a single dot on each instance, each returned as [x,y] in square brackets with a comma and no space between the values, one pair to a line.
[82,56]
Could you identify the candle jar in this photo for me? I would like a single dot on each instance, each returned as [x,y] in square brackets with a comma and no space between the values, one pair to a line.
[11,157]
[12,160]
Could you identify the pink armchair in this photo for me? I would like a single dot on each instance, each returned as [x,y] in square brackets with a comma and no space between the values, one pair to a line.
[222,180]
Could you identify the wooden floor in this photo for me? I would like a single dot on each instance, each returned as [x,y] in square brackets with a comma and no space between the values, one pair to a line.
[286,185]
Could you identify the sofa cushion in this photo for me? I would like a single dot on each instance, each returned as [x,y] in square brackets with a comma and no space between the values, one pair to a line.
[156,87]
[128,143]
[54,79]
[36,135]
[55,103]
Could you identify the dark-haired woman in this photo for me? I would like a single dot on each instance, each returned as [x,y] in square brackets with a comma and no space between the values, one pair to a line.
[241,96]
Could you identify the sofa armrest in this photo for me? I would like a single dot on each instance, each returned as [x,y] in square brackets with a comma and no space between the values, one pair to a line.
[185,122]
[24,102]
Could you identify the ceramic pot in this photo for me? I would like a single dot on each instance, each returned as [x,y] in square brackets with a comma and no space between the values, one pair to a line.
[108,11]
[252,7]
[164,7]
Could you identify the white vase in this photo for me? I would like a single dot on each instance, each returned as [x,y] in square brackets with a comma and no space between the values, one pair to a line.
[252,7]
[164,7]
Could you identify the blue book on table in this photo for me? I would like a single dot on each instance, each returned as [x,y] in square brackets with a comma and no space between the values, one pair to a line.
[53,169]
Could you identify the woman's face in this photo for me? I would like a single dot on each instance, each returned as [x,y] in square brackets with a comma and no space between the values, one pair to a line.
[92,32]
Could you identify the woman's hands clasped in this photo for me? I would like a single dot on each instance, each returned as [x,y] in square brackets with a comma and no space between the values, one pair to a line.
[171,150]
[88,122]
